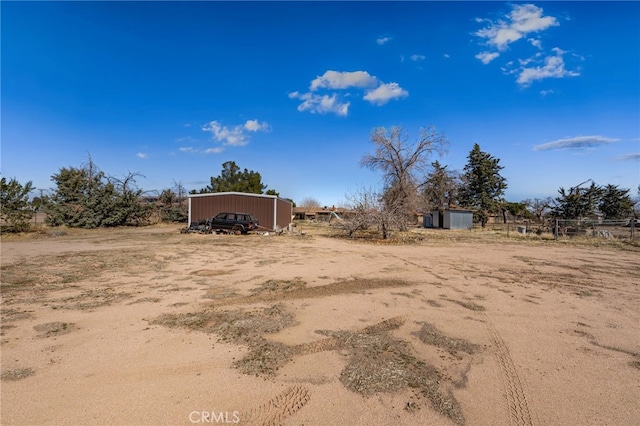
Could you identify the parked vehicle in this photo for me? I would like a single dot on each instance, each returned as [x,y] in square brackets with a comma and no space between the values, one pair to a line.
[234,222]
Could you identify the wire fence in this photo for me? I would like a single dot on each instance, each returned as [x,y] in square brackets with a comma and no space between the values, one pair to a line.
[624,229]
[620,229]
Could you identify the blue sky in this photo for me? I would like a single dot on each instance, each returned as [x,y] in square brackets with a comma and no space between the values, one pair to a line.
[292,90]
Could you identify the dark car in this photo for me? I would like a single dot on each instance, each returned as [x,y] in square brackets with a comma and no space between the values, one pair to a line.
[234,222]
[633,222]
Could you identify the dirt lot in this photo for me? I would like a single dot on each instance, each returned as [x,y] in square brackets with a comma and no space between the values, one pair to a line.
[150,326]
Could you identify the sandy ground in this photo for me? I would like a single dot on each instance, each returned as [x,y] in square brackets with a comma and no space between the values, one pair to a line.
[150,326]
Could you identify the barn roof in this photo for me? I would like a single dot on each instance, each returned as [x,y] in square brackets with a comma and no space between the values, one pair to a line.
[214,194]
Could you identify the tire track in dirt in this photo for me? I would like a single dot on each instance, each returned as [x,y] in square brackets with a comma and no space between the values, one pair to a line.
[284,405]
[419,266]
[519,412]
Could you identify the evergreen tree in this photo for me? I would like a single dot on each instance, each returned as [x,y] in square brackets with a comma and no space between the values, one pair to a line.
[440,188]
[15,208]
[483,186]
[231,179]
[615,203]
[578,202]
[86,198]
[171,205]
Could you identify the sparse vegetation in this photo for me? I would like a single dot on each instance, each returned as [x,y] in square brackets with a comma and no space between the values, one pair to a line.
[15,207]
[86,197]
[15,374]
[430,335]
[401,164]
[244,302]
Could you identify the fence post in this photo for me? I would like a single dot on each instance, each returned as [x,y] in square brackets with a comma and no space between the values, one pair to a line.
[555,230]
[633,226]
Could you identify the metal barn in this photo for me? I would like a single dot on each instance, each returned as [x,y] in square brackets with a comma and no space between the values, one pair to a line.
[272,212]
[457,219]
[449,219]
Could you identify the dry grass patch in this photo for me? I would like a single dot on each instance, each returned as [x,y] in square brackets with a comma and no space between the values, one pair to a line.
[244,327]
[296,290]
[53,329]
[280,286]
[93,298]
[430,335]
[212,272]
[13,314]
[220,293]
[32,280]
[15,374]
[146,300]
[467,304]
[379,362]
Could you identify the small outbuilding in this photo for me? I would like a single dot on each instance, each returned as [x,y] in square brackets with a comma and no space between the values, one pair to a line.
[272,212]
[449,219]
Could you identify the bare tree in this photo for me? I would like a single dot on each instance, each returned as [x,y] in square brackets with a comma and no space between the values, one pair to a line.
[309,202]
[360,204]
[402,163]
[180,191]
[369,208]
[539,207]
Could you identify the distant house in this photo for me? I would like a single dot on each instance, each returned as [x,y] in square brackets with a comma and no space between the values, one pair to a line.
[318,213]
[449,219]
[272,212]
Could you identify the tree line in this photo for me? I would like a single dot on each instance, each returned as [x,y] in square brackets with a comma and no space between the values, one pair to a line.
[413,180]
[86,197]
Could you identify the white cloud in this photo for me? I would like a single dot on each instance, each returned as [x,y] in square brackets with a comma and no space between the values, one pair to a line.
[190,149]
[446,55]
[535,43]
[378,93]
[546,92]
[185,139]
[522,20]
[418,57]
[343,80]
[383,40]
[630,157]
[528,18]
[214,150]
[228,136]
[234,136]
[142,155]
[524,62]
[255,125]
[321,104]
[553,67]
[385,92]
[578,142]
[487,57]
